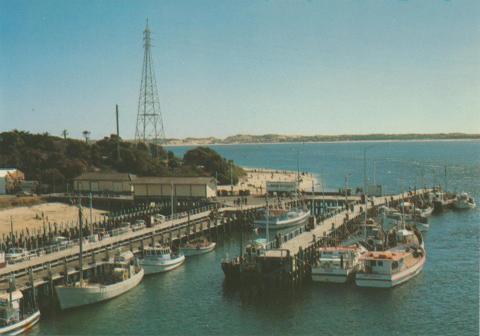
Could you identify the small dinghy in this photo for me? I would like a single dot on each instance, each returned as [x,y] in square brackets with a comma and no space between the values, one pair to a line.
[197,247]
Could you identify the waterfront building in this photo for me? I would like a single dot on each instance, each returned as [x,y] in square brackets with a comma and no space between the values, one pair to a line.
[154,188]
[102,182]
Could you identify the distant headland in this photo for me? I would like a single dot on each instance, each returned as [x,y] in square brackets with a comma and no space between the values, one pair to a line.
[279,138]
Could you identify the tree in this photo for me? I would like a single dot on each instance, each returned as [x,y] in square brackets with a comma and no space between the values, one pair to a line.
[211,162]
[86,135]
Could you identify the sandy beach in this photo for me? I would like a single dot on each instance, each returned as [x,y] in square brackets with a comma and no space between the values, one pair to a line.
[34,216]
[255,180]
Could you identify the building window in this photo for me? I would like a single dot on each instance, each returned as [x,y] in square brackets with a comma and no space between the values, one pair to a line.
[380,263]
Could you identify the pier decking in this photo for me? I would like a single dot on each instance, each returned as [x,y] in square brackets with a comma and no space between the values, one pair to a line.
[323,228]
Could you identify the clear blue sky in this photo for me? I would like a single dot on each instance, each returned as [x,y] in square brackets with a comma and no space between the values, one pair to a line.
[228,67]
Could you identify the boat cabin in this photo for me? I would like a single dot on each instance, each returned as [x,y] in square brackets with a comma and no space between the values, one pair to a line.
[123,258]
[337,257]
[157,250]
[406,237]
[385,263]
[10,307]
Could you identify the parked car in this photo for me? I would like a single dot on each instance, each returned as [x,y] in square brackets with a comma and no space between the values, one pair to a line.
[138,225]
[158,218]
[17,254]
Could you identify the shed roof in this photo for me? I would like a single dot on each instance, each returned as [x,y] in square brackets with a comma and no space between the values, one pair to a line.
[105,176]
[174,180]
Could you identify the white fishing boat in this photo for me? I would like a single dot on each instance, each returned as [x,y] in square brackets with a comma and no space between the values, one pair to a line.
[196,247]
[426,212]
[464,201]
[119,276]
[158,259]
[386,269]
[13,319]
[281,219]
[337,264]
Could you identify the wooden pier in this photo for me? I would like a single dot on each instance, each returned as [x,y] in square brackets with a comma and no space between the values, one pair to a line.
[49,265]
[289,257]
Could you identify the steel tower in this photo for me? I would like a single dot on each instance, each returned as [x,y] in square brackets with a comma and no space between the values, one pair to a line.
[149,117]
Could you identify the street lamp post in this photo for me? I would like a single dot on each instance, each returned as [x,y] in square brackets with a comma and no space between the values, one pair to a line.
[346,189]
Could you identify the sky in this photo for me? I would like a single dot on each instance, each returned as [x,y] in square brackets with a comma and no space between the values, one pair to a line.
[242,67]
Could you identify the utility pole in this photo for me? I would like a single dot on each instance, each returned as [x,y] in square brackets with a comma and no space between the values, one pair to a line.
[171,199]
[91,217]
[80,222]
[231,176]
[118,132]
[346,190]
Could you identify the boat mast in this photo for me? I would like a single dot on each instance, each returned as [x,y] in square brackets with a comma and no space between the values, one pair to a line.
[446,180]
[80,222]
[298,176]
[365,191]
[268,222]
[11,231]
[91,217]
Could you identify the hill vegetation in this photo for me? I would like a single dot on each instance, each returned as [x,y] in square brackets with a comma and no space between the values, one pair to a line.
[55,161]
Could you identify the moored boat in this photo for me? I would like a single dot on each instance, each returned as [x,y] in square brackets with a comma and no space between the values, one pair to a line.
[197,247]
[120,275]
[386,269]
[158,259]
[337,264]
[13,318]
[280,219]
[464,201]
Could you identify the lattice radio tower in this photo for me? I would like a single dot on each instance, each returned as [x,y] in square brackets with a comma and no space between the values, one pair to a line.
[149,118]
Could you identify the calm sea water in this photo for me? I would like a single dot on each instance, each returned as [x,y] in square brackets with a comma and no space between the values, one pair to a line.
[442,300]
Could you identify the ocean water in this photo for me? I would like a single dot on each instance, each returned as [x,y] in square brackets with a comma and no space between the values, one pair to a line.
[193,300]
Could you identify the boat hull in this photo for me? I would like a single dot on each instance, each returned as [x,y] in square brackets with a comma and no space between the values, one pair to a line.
[282,224]
[389,281]
[160,266]
[189,252]
[71,297]
[332,277]
[463,205]
[21,326]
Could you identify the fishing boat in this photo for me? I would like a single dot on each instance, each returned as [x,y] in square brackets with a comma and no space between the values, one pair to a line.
[196,247]
[281,219]
[390,268]
[464,201]
[392,217]
[371,236]
[14,319]
[119,276]
[426,212]
[158,259]
[337,264]
[245,263]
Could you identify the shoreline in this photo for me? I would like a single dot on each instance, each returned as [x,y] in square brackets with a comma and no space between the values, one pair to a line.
[319,142]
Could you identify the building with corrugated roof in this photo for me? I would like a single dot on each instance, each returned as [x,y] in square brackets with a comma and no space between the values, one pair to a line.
[151,188]
[104,182]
